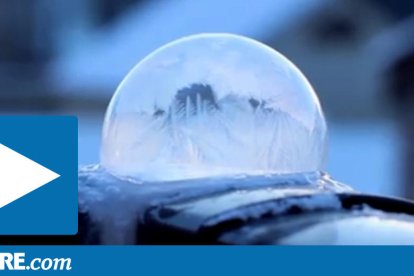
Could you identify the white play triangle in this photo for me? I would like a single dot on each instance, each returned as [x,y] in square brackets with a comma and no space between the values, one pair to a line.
[20,175]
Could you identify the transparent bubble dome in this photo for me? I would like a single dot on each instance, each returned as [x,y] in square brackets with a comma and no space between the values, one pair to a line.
[213,105]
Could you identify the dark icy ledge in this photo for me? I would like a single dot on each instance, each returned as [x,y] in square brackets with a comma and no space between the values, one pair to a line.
[112,208]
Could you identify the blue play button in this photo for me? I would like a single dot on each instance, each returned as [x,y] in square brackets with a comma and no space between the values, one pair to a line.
[38,175]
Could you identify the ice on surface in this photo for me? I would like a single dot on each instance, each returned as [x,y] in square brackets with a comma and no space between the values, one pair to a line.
[116,205]
[256,211]
[213,105]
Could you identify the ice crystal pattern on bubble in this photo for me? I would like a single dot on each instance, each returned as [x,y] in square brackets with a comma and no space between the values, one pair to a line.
[213,105]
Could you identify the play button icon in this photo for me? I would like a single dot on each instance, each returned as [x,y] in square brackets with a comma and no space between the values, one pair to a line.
[20,175]
[38,175]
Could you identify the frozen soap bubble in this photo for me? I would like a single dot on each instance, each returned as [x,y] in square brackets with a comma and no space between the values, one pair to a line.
[213,105]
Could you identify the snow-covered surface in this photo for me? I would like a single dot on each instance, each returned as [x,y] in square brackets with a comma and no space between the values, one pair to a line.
[108,54]
[116,205]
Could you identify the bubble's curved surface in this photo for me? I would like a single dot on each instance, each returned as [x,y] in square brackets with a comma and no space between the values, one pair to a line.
[212,105]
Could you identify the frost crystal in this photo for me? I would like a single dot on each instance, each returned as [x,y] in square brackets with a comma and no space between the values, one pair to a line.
[213,105]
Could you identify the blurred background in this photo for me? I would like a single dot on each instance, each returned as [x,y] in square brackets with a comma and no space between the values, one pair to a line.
[67,57]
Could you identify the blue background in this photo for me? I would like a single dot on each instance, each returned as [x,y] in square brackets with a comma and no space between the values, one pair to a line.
[225,260]
[51,141]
